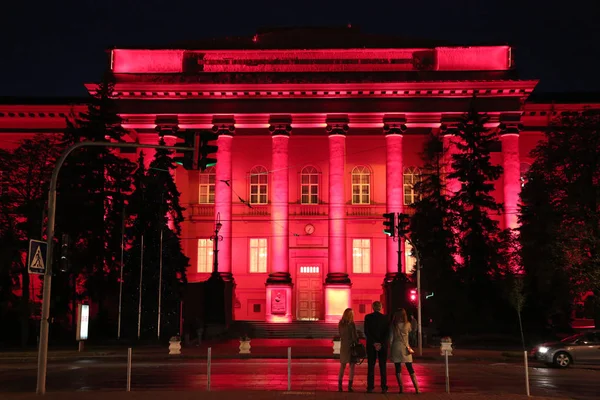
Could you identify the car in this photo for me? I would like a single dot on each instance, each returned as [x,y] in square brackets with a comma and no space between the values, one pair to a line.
[580,348]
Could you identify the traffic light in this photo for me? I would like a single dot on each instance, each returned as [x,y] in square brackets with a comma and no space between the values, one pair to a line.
[189,159]
[412,296]
[64,253]
[206,150]
[389,224]
[403,224]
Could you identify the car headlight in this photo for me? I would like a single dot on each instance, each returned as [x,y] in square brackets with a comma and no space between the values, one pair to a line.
[543,350]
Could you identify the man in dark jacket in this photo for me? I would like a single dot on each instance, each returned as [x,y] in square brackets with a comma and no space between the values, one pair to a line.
[377,333]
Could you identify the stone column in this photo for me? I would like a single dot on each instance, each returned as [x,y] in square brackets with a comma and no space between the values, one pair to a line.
[512,174]
[279,283]
[394,173]
[337,283]
[223,193]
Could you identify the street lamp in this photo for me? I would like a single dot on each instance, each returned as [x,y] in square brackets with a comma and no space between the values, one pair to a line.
[216,238]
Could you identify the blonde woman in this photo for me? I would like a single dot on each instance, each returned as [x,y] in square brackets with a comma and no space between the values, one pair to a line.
[348,336]
[400,347]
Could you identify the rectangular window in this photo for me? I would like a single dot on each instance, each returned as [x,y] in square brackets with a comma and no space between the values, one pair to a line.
[205,256]
[410,262]
[258,255]
[361,256]
[207,188]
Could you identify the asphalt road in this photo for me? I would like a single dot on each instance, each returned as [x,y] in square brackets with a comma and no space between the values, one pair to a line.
[307,375]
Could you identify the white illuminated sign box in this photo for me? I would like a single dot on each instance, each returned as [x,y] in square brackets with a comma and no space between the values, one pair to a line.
[83,320]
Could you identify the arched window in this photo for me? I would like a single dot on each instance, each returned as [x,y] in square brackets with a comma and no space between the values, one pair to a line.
[361,185]
[259,178]
[524,170]
[412,175]
[309,185]
[206,184]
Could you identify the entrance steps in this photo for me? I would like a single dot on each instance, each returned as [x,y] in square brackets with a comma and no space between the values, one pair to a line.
[294,329]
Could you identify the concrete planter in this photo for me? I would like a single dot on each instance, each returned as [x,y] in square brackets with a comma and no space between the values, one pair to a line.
[174,346]
[245,347]
[336,346]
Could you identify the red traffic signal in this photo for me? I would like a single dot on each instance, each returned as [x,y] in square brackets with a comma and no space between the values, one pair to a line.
[412,295]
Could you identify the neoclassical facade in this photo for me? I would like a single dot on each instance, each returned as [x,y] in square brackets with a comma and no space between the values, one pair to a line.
[314,146]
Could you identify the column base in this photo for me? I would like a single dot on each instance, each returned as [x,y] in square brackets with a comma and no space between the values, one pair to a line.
[337,299]
[281,278]
[279,302]
[337,278]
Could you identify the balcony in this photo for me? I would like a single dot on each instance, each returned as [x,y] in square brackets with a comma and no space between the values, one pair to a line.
[308,210]
[201,211]
[252,210]
[365,210]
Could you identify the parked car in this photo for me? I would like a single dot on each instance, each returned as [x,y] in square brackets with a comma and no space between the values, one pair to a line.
[580,348]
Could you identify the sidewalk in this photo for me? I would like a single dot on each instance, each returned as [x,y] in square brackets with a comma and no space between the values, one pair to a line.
[261,348]
[256,395]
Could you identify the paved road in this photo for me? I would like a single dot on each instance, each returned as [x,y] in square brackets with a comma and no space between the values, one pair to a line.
[307,375]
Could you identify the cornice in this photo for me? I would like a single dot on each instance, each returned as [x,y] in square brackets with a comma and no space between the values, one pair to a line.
[454,89]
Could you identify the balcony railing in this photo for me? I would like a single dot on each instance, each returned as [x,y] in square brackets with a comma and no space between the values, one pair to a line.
[207,211]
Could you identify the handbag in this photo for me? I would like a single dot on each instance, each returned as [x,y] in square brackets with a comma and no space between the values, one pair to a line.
[410,350]
[358,352]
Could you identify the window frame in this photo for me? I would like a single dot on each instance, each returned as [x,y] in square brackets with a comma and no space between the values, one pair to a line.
[362,250]
[210,171]
[258,247]
[209,256]
[310,185]
[258,171]
[360,171]
[416,176]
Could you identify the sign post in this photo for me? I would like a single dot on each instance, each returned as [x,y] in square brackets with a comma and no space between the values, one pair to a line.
[83,319]
[36,260]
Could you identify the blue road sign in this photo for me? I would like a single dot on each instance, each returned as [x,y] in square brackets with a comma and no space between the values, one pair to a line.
[36,261]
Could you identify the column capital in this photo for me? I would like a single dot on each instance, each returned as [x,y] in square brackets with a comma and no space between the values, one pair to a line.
[509,128]
[224,125]
[394,128]
[280,129]
[166,124]
[337,128]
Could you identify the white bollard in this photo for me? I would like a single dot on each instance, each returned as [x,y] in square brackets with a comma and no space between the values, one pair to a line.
[526,375]
[208,369]
[447,373]
[129,369]
[289,369]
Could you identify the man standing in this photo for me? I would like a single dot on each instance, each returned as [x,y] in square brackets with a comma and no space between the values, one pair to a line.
[377,332]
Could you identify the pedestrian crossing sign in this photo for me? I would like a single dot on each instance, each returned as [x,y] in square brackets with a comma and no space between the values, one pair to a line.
[36,262]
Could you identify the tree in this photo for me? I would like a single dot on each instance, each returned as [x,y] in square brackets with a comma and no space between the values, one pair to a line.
[27,171]
[481,243]
[95,182]
[432,234]
[561,216]
[156,211]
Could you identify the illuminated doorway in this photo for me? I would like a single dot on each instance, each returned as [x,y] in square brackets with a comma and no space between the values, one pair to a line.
[309,286]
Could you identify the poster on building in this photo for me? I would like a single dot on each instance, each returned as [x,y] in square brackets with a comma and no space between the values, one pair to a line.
[278,302]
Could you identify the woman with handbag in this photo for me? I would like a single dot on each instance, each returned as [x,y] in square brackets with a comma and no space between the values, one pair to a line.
[348,337]
[400,347]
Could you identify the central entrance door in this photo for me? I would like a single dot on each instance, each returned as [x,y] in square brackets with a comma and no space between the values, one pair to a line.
[309,293]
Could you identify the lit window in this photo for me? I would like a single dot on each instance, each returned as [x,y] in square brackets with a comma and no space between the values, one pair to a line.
[207,186]
[312,269]
[361,185]
[309,178]
[410,261]
[524,171]
[258,255]
[412,176]
[205,256]
[361,256]
[258,185]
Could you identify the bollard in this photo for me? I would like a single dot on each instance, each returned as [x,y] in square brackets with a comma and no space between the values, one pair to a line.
[526,375]
[208,369]
[447,373]
[129,369]
[289,369]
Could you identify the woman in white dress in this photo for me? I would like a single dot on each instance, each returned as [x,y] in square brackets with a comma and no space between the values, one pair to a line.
[400,347]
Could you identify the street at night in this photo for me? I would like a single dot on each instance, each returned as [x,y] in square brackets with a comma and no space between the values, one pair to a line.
[307,376]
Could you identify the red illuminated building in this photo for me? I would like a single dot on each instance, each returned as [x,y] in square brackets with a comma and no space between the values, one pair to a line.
[315,144]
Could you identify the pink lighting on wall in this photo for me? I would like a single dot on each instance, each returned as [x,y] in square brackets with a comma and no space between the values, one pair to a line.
[147,61]
[473,58]
[512,178]
[337,299]
[223,204]
[337,222]
[279,303]
[280,203]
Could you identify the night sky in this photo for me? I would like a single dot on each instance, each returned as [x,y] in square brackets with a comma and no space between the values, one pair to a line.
[50,48]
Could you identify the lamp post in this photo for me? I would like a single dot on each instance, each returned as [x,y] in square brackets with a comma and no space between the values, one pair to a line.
[216,238]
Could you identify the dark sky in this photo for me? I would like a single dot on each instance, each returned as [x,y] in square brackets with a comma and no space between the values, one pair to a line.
[50,48]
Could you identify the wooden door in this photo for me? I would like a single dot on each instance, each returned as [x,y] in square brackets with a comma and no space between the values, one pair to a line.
[310,294]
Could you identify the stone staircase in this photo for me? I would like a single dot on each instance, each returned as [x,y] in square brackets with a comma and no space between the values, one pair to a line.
[295,329]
